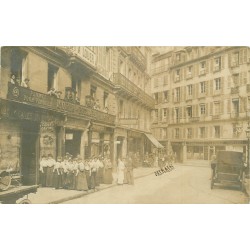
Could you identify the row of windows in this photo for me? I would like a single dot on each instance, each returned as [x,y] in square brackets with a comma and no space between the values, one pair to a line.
[214,108]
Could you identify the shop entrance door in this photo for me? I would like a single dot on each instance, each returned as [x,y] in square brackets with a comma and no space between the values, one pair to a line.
[29,153]
[72,142]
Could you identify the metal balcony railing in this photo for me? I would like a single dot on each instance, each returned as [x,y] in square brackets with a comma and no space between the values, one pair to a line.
[121,81]
[137,56]
[69,107]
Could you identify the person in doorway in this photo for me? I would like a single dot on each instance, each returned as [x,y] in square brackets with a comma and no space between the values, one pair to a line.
[13,79]
[120,172]
[43,170]
[50,168]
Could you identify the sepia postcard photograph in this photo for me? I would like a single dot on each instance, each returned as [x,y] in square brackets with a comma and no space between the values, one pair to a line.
[125,124]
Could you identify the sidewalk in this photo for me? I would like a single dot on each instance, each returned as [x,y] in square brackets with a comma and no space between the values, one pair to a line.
[56,196]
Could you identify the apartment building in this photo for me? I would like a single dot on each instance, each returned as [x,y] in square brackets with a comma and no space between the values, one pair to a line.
[202,99]
[82,100]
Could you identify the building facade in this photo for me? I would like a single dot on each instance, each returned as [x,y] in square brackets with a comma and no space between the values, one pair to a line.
[202,97]
[82,100]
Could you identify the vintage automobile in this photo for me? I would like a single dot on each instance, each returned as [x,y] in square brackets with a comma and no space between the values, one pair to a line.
[228,169]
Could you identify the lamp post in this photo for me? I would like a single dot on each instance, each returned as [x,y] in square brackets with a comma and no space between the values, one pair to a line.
[248,143]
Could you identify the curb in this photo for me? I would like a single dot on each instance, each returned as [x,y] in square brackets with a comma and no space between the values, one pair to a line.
[87,193]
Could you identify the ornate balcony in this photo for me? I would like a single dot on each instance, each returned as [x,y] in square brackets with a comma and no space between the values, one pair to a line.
[83,53]
[125,85]
[45,101]
[137,57]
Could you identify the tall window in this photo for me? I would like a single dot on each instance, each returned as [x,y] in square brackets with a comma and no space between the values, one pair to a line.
[203,109]
[177,75]
[217,131]
[190,89]
[93,91]
[177,94]
[121,108]
[177,117]
[203,67]
[18,65]
[52,77]
[235,106]
[105,99]
[177,133]
[236,79]
[235,58]
[217,83]
[202,132]
[216,108]
[156,96]
[165,95]
[189,111]
[189,71]
[217,63]
[189,133]
[202,87]
[164,113]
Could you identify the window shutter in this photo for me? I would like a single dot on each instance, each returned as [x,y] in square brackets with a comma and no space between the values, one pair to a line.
[241,78]
[221,131]
[241,57]
[211,65]
[181,94]
[160,114]
[211,108]
[173,133]
[229,106]
[207,66]
[206,88]
[211,131]
[222,62]
[197,90]
[184,112]
[222,107]
[180,132]
[229,81]
[194,70]
[180,112]
[160,96]
[172,118]
[243,104]
[184,133]
[222,83]
[193,111]
[184,93]
[244,77]
[211,87]
[206,105]
[181,74]
[197,110]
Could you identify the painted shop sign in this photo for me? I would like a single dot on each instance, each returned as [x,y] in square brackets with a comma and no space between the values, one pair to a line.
[14,111]
[43,100]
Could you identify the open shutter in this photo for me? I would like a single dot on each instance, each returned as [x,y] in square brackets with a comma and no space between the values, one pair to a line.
[211,131]
[229,106]
[207,66]
[211,108]
[160,114]
[245,78]
[222,62]
[211,65]
[160,96]
[207,111]
[197,110]
[207,88]
[211,87]
[222,107]
[222,83]
[184,111]
[184,93]
[221,131]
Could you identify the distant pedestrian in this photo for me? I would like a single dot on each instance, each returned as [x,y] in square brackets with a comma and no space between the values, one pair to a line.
[50,168]
[87,170]
[130,168]
[120,171]
[81,181]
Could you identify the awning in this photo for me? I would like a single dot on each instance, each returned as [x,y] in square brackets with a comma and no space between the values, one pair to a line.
[154,140]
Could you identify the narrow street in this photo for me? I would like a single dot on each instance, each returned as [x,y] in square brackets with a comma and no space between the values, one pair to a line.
[184,185]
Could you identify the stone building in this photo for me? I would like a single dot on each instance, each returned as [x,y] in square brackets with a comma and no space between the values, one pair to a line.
[82,100]
[202,97]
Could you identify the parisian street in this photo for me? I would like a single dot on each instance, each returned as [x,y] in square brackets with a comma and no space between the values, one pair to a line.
[186,184]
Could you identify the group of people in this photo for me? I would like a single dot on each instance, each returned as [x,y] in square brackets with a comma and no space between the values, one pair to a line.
[75,173]
[25,83]
[159,161]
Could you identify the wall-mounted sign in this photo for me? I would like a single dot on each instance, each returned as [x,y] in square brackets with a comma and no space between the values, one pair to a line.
[69,136]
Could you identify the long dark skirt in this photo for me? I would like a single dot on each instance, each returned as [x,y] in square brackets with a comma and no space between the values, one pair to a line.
[88,178]
[49,177]
[70,180]
[108,179]
[43,177]
[130,176]
[57,180]
[101,175]
[125,180]
[97,178]
[81,181]
[93,180]
[64,180]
